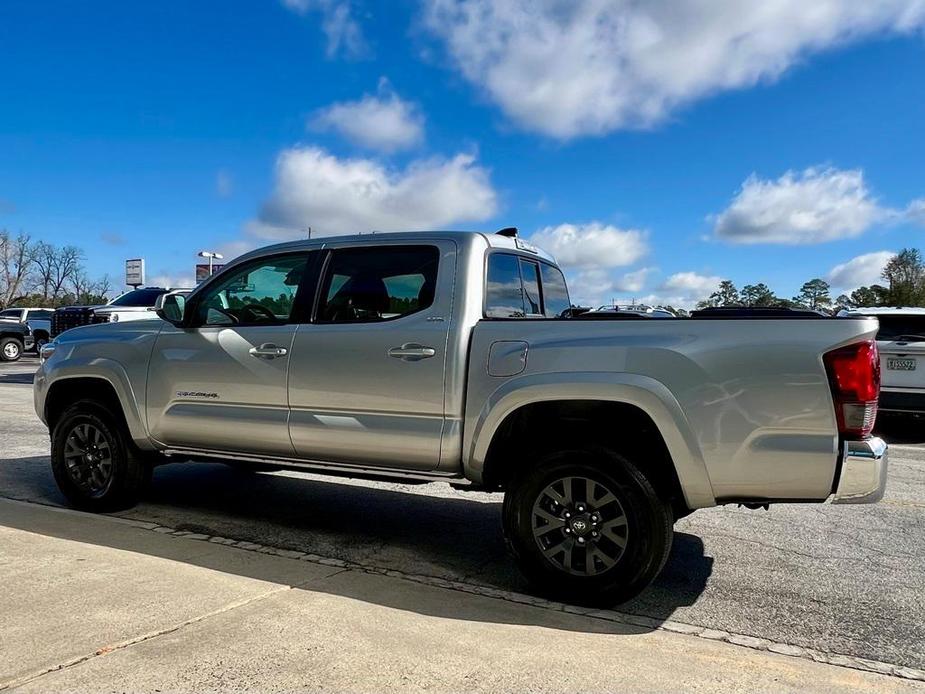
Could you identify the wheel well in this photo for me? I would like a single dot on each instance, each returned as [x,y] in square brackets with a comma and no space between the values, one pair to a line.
[37,333]
[541,427]
[66,392]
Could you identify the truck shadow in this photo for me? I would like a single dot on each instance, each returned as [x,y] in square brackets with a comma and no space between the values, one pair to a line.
[427,531]
[900,428]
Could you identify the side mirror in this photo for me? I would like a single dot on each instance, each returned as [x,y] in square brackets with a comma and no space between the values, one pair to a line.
[171,307]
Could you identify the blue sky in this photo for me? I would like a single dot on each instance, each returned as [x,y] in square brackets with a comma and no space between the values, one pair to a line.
[654,147]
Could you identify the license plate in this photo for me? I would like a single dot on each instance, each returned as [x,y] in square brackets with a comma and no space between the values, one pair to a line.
[900,364]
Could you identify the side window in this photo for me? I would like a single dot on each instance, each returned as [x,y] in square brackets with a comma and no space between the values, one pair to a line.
[503,288]
[41,315]
[259,293]
[376,284]
[555,293]
[530,272]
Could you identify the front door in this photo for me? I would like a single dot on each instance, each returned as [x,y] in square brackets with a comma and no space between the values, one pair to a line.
[366,383]
[220,383]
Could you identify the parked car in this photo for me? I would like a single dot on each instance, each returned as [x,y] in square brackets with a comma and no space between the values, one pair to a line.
[15,338]
[445,356]
[901,341]
[136,304]
[641,309]
[38,320]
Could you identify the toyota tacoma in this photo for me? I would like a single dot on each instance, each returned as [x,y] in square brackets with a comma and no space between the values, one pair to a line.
[456,356]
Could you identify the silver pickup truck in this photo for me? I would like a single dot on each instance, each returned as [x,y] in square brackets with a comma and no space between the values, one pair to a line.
[454,356]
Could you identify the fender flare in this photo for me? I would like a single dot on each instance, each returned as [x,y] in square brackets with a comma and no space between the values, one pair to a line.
[113,373]
[643,392]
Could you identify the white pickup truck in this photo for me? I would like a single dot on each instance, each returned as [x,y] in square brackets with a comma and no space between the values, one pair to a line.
[454,356]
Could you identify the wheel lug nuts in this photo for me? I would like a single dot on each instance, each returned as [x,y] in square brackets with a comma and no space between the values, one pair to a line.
[580,507]
[567,531]
[581,540]
[594,533]
[568,515]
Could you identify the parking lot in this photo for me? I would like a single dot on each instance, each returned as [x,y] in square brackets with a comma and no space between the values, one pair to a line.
[840,584]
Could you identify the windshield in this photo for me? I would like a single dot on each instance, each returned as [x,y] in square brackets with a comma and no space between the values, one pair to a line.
[901,327]
[139,297]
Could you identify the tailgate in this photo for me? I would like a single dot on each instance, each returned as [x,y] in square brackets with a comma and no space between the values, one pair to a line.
[902,364]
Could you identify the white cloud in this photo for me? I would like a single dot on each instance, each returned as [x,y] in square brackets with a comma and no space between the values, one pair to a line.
[597,286]
[341,29]
[592,245]
[859,271]
[383,122]
[633,281]
[590,287]
[915,211]
[690,284]
[592,66]
[336,196]
[814,206]
[680,290]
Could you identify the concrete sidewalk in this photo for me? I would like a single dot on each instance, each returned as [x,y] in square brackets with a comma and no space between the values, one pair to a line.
[93,603]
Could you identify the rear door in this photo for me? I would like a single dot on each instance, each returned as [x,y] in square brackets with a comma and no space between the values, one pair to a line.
[366,382]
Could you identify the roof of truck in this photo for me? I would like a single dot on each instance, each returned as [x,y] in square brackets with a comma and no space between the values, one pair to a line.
[494,240]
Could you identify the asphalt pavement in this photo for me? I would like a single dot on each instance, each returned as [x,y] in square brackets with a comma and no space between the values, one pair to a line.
[836,583]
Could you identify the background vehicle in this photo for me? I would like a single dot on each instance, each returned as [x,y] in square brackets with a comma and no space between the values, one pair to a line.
[133,305]
[901,341]
[38,320]
[642,309]
[15,338]
[444,356]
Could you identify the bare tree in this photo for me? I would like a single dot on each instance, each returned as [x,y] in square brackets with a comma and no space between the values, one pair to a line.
[55,269]
[16,258]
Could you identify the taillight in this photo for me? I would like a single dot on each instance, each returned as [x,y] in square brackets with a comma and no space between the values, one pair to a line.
[854,375]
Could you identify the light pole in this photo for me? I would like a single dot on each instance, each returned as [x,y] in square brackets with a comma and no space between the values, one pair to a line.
[210,255]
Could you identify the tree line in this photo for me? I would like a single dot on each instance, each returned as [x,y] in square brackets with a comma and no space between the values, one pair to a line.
[903,285]
[40,274]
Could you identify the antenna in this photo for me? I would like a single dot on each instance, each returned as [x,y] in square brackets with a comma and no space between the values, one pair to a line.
[510,232]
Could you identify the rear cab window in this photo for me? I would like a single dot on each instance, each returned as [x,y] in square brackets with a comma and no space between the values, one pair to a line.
[899,327]
[520,287]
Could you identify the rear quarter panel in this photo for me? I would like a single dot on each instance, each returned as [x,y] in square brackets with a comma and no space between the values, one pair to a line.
[744,405]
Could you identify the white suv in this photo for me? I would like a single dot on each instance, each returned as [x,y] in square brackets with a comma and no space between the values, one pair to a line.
[901,341]
[137,304]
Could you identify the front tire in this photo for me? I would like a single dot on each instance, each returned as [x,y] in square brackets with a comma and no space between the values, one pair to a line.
[93,461]
[585,525]
[10,349]
[41,339]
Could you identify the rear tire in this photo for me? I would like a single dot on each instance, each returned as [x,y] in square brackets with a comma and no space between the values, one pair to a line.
[601,540]
[93,460]
[10,349]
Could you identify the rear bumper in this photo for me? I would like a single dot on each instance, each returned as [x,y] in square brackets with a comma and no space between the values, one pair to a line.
[901,401]
[863,473]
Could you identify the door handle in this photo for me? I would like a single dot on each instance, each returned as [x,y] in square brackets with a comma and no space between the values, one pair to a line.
[268,351]
[412,351]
